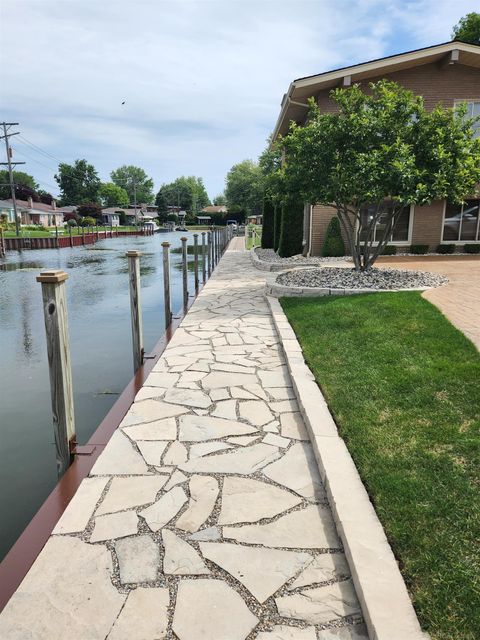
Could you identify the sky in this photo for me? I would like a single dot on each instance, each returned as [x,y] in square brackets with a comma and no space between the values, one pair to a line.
[202,80]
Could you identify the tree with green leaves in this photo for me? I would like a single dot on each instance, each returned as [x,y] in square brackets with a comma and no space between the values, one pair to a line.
[333,244]
[112,195]
[78,182]
[220,200]
[186,192]
[268,222]
[377,155]
[20,179]
[135,182]
[468,29]
[244,187]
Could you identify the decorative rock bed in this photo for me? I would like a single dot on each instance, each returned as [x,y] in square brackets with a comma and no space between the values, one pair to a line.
[268,260]
[346,281]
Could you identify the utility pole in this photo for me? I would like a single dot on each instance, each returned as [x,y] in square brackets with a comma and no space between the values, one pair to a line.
[6,127]
[135,200]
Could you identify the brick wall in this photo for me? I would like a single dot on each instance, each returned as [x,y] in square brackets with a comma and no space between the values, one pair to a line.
[434,83]
[427,224]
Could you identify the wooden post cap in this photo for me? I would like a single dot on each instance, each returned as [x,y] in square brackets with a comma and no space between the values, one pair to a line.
[183,239]
[54,275]
[133,254]
[165,244]
[195,235]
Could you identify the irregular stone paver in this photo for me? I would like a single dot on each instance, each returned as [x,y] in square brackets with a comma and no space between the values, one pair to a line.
[292,426]
[152,450]
[256,412]
[262,571]
[180,558]
[156,430]
[76,516]
[210,610]
[306,529]
[118,458]
[69,576]
[322,604]
[203,495]
[125,493]
[215,449]
[176,454]
[298,471]
[246,500]
[325,567]
[199,428]
[114,525]
[145,615]
[164,509]
[138,559]
[242,461]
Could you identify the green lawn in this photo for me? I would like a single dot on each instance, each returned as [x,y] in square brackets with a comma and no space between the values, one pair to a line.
[404,387]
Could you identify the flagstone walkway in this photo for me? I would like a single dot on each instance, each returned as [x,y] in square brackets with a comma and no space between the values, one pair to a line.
[205,517]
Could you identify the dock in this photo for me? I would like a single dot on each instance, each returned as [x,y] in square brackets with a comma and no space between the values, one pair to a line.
[205,516]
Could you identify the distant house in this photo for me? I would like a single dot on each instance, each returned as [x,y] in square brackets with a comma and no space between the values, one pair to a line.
[111,216]
[6,209]
[204,219]
[46,215]
[216,208]
[255,219]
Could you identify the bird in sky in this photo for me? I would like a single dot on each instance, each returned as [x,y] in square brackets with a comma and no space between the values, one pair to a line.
[124,102]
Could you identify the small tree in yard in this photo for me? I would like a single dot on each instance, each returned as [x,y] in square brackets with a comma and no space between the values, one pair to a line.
[333,244]
[291,228]
[268,222]
[380,153]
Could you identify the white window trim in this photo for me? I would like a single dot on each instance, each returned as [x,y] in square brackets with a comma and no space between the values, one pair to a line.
[408,241]
[459,242]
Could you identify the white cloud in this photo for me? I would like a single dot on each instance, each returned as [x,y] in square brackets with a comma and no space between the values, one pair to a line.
[202,79]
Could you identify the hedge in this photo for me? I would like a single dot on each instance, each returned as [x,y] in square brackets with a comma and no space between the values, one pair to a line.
[291,232]
[268,223]
[333,245]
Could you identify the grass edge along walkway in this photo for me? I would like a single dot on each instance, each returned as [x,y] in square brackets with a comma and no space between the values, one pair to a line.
[404,388]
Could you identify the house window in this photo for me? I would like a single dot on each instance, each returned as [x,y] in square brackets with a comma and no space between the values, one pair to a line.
[473,111]
[461,222]
[401,232]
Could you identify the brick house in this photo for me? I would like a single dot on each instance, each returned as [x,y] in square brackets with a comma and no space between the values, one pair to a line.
[448,73]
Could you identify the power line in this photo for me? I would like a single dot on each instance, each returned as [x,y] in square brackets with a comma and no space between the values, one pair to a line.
[25,140]
[6,128]
[35,160]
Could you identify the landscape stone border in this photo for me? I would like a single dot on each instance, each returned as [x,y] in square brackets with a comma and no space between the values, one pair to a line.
[386,605]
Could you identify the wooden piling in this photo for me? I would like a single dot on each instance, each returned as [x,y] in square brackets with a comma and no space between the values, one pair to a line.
[209,254]
[58,350]
[184,274]
[71,239]
[135,307]
[195,259]
[204,265]
[166,283]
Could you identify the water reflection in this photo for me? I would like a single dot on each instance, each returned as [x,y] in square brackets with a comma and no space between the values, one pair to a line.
[100,343]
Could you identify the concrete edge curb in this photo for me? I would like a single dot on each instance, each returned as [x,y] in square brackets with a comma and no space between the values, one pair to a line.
[385,602]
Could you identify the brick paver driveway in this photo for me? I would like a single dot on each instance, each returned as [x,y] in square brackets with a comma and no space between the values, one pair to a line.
[459,300]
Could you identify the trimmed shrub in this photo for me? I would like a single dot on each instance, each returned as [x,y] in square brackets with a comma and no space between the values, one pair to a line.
[418,249]
[472,248]
[88,221]
[268,223]
[291,232]
[389,250]
[446,248]
[333,245]
[277,225]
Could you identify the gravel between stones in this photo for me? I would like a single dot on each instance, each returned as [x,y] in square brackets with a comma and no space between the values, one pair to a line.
[269,255]
[344,278]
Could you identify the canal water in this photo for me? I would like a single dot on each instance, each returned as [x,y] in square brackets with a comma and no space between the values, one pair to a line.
[101,350]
